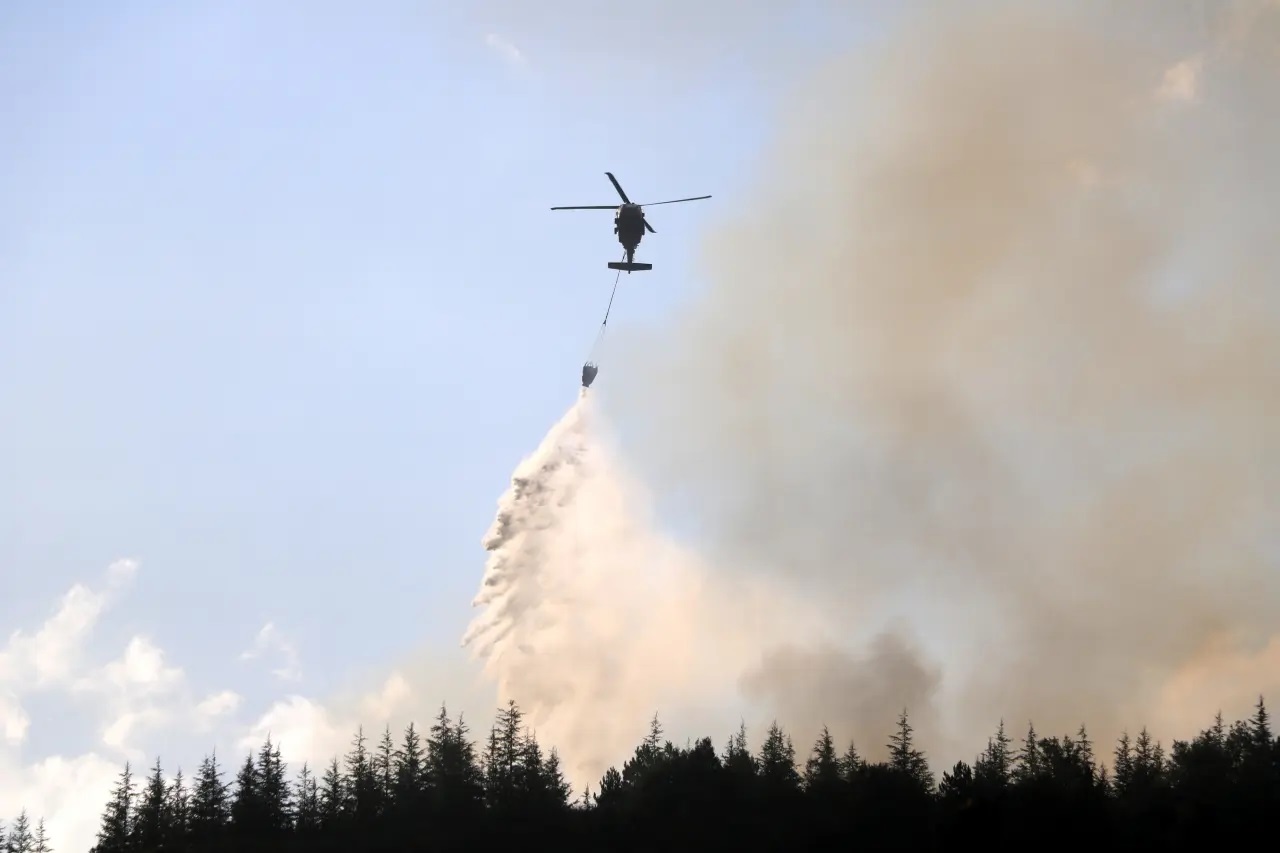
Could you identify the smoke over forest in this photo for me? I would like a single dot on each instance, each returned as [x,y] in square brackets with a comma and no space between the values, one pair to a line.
[977,410]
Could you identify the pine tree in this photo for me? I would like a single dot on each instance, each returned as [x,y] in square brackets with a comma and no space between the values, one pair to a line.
[457,784]
[115,830]
[993,771]
[20,838]
[362,791]
[333,798]
[531,787]
[956,786]
[246,802]
[738,759]
[307,797]
[1084,749]
[1260,727]
[612,789]
[149,825]
[778,760]
[1124,765]
[651,746]
[647,756]
[384,771]
[510,746]
[41,844]
[177,811]
[1148,758]
[273,794]
[1028,764]
[210,807]
[822,769]
[557,787]
[503,757]
[492,767]
[904,758]
[851,764]
[410,773]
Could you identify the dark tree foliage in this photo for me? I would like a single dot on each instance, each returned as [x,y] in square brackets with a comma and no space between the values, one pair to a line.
[443,792]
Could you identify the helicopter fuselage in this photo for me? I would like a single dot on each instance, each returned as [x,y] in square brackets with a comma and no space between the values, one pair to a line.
[628,224]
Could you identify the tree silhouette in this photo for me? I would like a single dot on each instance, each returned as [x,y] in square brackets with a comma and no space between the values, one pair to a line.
[1215,790]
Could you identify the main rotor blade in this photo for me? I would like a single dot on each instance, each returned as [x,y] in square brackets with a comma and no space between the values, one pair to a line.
[617,186]
[674,200]
[649,227]
[589,207]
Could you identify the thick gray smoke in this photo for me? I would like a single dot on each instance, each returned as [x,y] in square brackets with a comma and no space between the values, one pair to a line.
[996,347]
[980,410]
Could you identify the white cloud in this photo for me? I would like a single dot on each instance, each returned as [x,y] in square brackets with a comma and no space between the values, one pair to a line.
[217,705]
[116,734]
[271,640]
[140,694]
[133,695]
[140,671]
[1181,81]
[389,700]
[504,48]
[14,721]
[304,730]
[49,656]
[68,793]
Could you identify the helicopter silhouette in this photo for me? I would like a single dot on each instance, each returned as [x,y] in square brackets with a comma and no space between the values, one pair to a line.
[629,223]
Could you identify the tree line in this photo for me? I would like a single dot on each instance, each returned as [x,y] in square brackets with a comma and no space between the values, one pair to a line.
[22,837]
[442,791]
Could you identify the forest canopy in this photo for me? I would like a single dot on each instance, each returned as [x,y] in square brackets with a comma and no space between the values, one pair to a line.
[442,790]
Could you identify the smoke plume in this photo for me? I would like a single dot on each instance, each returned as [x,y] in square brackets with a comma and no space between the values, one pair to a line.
[592,620]
[979,410]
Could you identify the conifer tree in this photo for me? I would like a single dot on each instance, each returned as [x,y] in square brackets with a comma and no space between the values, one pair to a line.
[410,772]
[210,805]
[851,764]
[246,802]
[1124,764]
[21,839]
[647,756]
[738,759]
[822,769]
[149,829]
[177,818]
[116,827]
[1260,727]
[557,786]
[993,771]
[274,799]
[307,799]
[41,844]
[1028,762]
[333,798]
[510,745]
[956,787]
[612,789]
[904,758]
[362,790]
[384,770]
[1148,759]
[778,760]
[531,787]
[457,784]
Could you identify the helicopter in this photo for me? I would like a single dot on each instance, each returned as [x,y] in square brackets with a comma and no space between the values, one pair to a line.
[629,224]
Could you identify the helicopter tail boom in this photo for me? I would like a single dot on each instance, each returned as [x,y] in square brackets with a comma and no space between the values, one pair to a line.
[633,266]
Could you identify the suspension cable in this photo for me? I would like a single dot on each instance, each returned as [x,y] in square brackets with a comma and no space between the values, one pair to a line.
[589,369]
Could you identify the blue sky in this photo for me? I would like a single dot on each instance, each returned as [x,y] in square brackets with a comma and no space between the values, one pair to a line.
[282,303]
